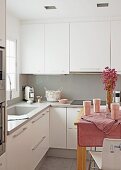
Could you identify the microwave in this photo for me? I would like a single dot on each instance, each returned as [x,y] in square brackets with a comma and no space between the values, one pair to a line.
[2,68]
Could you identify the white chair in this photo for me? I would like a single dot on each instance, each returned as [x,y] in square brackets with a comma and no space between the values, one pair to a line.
[110,157]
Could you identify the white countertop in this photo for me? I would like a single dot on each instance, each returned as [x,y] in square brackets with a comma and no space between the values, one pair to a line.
[39,107]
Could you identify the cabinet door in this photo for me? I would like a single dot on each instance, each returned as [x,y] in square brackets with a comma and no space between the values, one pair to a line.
[32,48]
[116,45]
[2,23]
[40,136]
[58,127]
[57,48]
[19,156]
[71,138]
[71,117]
[89,46]
[71,128]
[3,162]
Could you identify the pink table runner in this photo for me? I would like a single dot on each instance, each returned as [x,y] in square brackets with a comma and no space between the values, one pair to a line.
[93,130]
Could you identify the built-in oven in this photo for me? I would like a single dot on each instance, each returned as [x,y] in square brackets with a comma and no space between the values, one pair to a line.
[2,127]
[2,100]
[2,68]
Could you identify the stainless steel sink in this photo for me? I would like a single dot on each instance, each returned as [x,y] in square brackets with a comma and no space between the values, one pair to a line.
[19,112]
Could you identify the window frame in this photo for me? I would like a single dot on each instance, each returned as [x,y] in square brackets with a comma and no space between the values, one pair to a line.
[15,92]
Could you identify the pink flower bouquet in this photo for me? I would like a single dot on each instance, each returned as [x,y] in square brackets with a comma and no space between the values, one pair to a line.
[109,78]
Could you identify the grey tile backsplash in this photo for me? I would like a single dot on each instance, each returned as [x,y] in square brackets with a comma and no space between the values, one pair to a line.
[75,86]
[79,86]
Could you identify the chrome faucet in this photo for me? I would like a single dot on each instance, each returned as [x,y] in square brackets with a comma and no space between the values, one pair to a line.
[10,87]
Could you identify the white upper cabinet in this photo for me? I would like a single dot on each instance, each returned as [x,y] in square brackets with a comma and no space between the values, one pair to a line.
[89,46]
[2,23]
[32,48]
[57,48]
[116,45]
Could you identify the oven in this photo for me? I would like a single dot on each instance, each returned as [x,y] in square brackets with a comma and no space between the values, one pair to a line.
[2,68]
[2,100]
[2,127]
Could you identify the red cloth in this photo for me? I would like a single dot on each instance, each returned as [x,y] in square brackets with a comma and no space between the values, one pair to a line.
[92,134]
[102,122]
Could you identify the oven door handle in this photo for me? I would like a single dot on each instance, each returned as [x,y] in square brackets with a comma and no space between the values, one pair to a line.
[3,123]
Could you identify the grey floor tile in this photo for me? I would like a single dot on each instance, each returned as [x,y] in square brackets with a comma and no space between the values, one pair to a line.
[53,163]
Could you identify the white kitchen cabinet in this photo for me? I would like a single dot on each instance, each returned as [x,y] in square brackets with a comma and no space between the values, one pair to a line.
[57,48]
[2,23]
[58,127]
[89,46]
[39,137]
[72,138]
[71,128]
[32,48]
[116,45]
[18,149]
[3,162]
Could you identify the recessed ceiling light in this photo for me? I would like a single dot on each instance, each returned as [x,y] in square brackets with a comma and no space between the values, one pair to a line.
[102,4]
[50,7]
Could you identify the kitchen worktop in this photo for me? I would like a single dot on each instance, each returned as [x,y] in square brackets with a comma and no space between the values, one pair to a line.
[15,124]
[39,107]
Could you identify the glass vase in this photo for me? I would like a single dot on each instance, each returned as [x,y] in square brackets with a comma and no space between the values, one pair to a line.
[109,99]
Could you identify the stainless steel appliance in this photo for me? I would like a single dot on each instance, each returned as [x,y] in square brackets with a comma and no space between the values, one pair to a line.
[2,100]
[117,96]
[2,68]
[29,93]
[2,128]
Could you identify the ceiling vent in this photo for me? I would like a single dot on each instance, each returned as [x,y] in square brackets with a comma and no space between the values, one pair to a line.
[102,4]
[50,7]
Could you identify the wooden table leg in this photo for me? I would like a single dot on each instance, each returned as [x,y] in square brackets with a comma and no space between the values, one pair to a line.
[81,158]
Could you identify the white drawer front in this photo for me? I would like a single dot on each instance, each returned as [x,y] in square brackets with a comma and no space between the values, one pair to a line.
[39,150]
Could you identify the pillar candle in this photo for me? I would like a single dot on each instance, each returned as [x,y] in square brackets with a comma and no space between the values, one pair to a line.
[115,111]
[96,105]
[87,107]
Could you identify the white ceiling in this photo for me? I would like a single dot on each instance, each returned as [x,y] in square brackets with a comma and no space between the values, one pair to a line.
[34,9]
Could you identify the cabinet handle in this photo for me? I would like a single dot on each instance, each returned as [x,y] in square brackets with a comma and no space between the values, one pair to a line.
[36,146]
[38,118]
[72,128]
[78,111]
[20,132]
[0,164]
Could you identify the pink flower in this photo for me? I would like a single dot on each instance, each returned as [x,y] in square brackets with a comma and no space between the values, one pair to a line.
[109,78]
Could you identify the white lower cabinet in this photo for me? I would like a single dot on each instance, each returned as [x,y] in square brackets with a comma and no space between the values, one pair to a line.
[71,128]
[58,127]
[71,138]
[18,149]
[40,136]
[27,145]
[3,162]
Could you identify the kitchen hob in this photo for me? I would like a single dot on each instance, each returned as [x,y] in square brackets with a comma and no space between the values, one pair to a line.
[80,102]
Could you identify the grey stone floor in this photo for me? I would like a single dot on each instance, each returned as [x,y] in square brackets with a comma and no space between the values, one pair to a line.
[54,163]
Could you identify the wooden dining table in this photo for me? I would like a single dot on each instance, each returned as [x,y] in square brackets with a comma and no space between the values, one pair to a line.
[88,135]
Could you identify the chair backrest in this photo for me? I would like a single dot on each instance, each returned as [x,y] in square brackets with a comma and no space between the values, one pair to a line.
[111,154]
